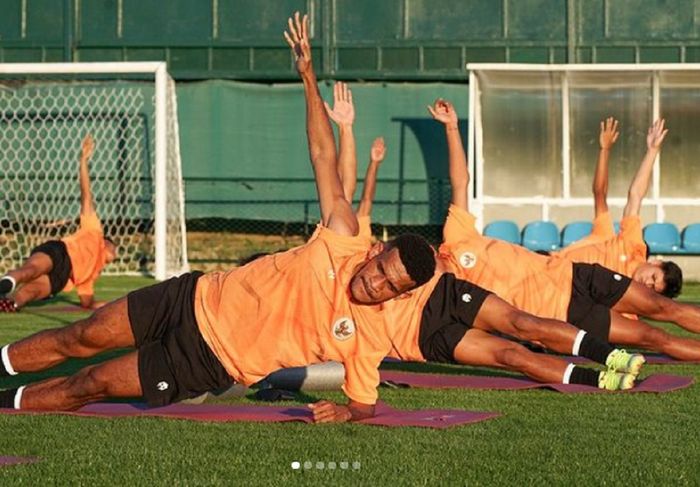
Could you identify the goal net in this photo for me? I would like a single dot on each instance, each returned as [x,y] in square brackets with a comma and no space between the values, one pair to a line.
[130,110]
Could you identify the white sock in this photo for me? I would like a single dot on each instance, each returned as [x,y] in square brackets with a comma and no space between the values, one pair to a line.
[577,342]
[6,360]
[567,373]
[18,397]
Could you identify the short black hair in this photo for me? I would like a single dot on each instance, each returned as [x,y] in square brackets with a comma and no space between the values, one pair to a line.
[673,279]
[416,255]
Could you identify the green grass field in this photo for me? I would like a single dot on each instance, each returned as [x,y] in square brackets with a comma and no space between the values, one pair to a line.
[542,437]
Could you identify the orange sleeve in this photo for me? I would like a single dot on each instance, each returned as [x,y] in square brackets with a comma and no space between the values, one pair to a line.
[631,229]
[603,226]
[86,288]
[458,225]
[365,223]
[344,245]
[362,378]
[90,221]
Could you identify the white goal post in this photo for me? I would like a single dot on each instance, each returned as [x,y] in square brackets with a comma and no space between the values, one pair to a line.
[130,109]
[533,138]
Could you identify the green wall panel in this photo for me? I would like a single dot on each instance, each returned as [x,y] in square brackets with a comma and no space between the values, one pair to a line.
[171,21]
[529,55]
[98,21]
[11,20]
[652,19]
[350,59]
[659,55]
[450,20]
[45,20]
[368,20]
[615,55]
[257,21]
[537,19]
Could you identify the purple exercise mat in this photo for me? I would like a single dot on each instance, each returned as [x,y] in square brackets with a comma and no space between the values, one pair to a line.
[653,383]
[4,461]
[385,415]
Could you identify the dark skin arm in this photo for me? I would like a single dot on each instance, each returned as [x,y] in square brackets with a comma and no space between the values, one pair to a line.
[328,412]
[343,114]
[640,183]
[376,156]
[336,212]
[444,112]
[607,139]
[87,149]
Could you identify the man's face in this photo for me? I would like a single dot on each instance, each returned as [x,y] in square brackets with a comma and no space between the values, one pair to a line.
[381,278]
[650,275]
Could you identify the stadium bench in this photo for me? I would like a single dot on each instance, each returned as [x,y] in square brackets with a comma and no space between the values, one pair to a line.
[575,231]
[541,235]
[503,230]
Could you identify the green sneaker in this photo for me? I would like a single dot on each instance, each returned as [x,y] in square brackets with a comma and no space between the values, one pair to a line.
[622,361]
[615,381]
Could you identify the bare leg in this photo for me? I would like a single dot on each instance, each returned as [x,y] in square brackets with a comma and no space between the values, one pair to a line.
[638,333]
[115,378]
[39,288]
[497,315]
[36,265]
[483,349]
[641,300]
[107,328]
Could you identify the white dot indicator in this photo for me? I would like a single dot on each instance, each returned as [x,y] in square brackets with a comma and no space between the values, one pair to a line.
[296,465]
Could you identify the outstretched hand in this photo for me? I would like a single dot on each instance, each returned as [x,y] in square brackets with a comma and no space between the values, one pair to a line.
[298,40]
[87,148]
[608,133]
[656,135]
[343,112]
[328,412]
[444,112]
[378,150]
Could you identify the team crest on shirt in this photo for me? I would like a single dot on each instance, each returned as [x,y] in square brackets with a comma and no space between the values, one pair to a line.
[467,260]
[343,329]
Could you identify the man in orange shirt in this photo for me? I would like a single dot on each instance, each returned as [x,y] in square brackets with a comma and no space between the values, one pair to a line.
[626,252]
[450,320]
[61,265]
[198,332]
[588,296]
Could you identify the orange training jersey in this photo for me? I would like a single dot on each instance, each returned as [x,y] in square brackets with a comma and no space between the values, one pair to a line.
[86,250]
[403,316]
[622,253]
[537,284]
[292,309]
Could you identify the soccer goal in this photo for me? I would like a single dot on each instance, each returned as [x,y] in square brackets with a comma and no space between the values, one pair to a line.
[533,138]
[130,109]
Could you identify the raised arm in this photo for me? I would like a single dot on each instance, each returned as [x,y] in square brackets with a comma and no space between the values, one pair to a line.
[336,212]
[86,151]
[376,156]
[444,112]
[608,137]
[640,183]
[343,114]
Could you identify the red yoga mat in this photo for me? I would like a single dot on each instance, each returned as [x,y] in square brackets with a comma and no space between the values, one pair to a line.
[385,415]
[651,358]
[653,383]
[5,461]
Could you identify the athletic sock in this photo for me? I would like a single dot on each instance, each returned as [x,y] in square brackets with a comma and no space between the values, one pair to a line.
[582,375]
[7,284]
[6,368]
[7,398]
[591,347]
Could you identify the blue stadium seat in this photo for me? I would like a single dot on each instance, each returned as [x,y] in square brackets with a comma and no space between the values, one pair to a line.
[574,232]
[616,227]
[504,230]
[541,235]
[691,238]
[663,238]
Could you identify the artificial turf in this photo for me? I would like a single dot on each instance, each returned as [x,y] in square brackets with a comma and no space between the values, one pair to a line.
[542,437]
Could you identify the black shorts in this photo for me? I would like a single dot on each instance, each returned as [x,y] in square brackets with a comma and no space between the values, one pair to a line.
[448,314]
[175,362]
[62,267]
[594,291]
